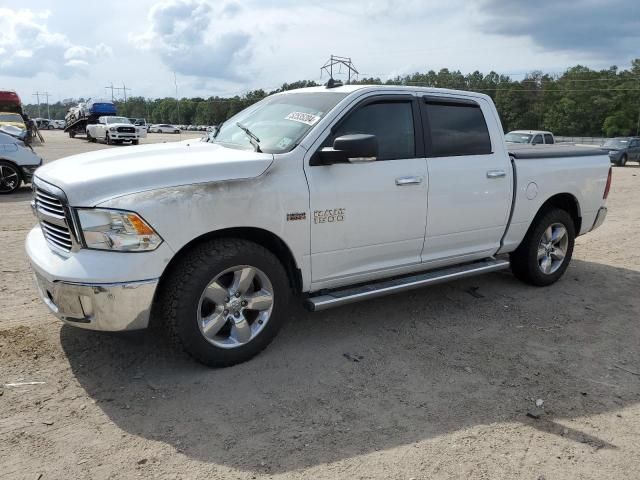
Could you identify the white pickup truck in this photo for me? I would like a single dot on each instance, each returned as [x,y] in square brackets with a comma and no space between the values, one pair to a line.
[115,130]
[331,195]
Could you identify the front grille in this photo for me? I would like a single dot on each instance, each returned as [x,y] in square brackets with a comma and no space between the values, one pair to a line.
[59,236]
[48,203]
[126,130]
[54,218]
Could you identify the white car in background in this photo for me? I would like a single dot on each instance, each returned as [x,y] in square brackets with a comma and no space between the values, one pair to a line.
[163,128]
[530,137]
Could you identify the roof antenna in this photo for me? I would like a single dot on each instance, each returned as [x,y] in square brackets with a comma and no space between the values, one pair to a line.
[340,61]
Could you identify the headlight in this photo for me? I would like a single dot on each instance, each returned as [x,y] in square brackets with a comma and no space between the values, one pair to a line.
[113,129]
[613,152]
[116,230]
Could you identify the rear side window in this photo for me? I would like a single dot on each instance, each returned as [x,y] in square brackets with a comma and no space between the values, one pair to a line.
[390,122]
[457,129]
[548,138]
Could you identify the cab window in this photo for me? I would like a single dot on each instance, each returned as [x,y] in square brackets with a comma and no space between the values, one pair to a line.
[392,124]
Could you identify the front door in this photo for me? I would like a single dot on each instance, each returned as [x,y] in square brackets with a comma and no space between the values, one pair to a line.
[370,217]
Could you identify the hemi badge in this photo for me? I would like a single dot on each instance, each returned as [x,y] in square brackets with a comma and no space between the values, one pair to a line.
[296,216]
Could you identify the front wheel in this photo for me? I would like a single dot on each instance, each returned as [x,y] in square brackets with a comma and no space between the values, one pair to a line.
[623,161]
[135,142]
[225,301]
[545,253]
[108,139]
[10,178]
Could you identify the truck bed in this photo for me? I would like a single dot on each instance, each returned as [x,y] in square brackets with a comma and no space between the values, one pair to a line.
[522,152]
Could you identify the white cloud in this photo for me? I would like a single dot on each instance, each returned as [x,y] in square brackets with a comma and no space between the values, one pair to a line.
[191,40]
[29,47]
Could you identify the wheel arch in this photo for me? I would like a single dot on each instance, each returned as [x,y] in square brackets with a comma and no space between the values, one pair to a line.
[564,201]
[265,238]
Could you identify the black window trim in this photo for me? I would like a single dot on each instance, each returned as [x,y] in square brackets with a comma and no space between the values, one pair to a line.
[418,139]
[454,102]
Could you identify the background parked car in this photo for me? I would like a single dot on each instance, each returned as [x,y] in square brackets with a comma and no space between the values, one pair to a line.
[17,163]
[531,137]
[622,149]
[163,128]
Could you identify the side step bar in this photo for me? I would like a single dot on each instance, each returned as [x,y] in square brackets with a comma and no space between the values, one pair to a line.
[337,298]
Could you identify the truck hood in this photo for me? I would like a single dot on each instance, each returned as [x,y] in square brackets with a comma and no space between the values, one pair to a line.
[91,178]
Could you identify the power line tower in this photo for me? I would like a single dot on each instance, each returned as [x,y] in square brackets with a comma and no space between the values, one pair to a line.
[337,61]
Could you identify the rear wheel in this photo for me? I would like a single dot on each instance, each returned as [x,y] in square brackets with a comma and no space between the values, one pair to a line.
[72,134]
[225,301]
[10,178]
[545,253]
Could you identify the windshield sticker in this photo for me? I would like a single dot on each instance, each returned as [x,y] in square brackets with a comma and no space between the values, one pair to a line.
[307,118]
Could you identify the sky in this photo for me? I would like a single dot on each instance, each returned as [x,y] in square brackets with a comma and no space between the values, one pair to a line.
[72,48]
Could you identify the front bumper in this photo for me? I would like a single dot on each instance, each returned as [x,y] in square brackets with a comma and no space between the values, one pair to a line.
[94,289]
[600,217]
[107,307]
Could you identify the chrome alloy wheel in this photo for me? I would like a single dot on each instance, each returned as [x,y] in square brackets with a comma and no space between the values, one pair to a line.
[552,248]
[235,307]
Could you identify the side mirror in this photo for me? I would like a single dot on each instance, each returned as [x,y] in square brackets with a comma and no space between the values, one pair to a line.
[355,148]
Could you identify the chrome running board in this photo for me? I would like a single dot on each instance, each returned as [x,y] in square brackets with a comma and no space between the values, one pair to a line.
[337,298]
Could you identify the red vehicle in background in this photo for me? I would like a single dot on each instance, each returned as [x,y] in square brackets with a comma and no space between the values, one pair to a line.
[10,102]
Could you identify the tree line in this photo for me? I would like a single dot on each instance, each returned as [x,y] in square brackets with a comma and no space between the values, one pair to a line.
[578,102]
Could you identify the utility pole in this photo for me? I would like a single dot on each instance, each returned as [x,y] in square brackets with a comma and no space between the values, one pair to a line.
[124,90]
[175,81]
[112,88]
[37,95]
[46,94]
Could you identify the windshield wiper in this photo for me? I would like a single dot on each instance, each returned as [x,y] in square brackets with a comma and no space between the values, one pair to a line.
[255,141]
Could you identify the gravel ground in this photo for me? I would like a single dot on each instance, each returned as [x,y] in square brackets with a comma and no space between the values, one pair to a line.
[435,383]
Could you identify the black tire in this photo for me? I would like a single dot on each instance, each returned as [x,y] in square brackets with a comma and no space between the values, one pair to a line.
[10,178]
[524,261]
[72,134]
[90,138]
[623,160]
[135,142]
[180,294]
[107,139]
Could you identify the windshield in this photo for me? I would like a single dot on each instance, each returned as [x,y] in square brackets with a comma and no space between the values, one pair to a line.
[279,122]
[616,143]
[117,120]
[517,138]
[10,117]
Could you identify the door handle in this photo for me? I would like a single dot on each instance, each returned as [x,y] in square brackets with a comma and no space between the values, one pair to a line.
[496,173]
[403,181]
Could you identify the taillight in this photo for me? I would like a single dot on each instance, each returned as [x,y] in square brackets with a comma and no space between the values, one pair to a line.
[608,187]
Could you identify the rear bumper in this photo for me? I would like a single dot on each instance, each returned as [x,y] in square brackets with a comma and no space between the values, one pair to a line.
[600,217]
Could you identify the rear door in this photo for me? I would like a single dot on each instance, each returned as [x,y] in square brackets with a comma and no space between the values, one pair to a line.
[370,217]
[470,179]
[548,139]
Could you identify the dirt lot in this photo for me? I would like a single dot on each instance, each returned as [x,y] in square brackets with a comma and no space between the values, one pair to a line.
[442,389]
